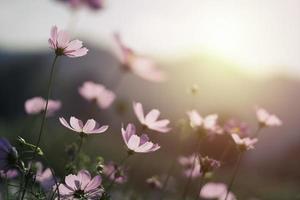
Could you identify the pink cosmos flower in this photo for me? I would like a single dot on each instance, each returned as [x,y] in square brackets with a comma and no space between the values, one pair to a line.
[208,123]
[90,127]
[216,191]
[135,143]
[151,119]
[244,144]
[96,92]
[36,105]
[235,126]
[139,65]
[92,4]
[60,42]
[266,119]
[191,166]
[44,177]
[81,186]
[116,173]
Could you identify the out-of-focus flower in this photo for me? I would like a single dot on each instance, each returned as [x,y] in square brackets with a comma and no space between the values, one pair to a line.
[115,173]
[135,143]
[139,65]
[96,92]
[235,126]
[216,191]
[8,155]
[208,164]
[9,174]
[266,119]
[92,4]
[90,127]
[208,123]
[44,177]
[151,119]
[244,144]
[60,42]
[81,186]
[154,182]
[36,105]
[191,165]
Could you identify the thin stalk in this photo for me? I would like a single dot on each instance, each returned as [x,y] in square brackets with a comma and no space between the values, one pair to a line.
[186,188]
[236,169]
[79,149]
[165,183]
[200,186]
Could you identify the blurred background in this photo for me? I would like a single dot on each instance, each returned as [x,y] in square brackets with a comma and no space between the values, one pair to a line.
[240,54]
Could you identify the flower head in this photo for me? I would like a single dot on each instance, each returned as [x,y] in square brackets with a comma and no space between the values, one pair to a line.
[60,42]
[216,191]
[44,177]
[135,143]
[208,164]
[36,105]
[151,119]
[235,126]
[154,182]
[90,127]
[115,173]
[191,165]
[96,92]
[81,186]
[244,144]
[139,65]
[8,155]
[265,119]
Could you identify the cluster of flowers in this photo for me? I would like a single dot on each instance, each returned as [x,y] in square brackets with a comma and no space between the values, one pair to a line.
[81,184]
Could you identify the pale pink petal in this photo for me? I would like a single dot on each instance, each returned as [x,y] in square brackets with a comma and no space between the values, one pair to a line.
[126,134]
[64,190]
[73,45]
[77,53]
[76,124]
[89,126]
[210,121]
[195,118]
[63,39]
[133,142]
[155,147]
[84,177]
[144,148]
[94,183]
[144,139]
[139,112]
[65,123]
[98,130]
[213,190]
[152,116]
[71,181]
[34,105]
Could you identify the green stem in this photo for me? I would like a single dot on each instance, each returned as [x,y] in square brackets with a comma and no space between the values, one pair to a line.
[79,150]
[236,169]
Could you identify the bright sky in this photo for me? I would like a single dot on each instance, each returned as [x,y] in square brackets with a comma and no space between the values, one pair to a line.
[261,35]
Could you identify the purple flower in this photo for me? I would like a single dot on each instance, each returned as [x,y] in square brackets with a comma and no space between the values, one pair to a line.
[191,165]
[90,127]
[139,65]
[150,120]
[138,144]
[8,155]
[96,92]
[60,42]
[115,173]
[81,186]
[44,177]
[36,105]
[235,126]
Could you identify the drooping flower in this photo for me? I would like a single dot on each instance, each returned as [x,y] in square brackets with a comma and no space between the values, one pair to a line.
[115,173]
[235,126]
[139,65]
[44,177]
[36,105]
[92,4]
[60,42]
[135,143]
[154,182]
[244,144]
[90,127]
[8,155]
[81,186]
[208,124]
[208,164]
[151,119]
[191,165]
[265,119]
[216,191]
[96,92]
[9,174]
